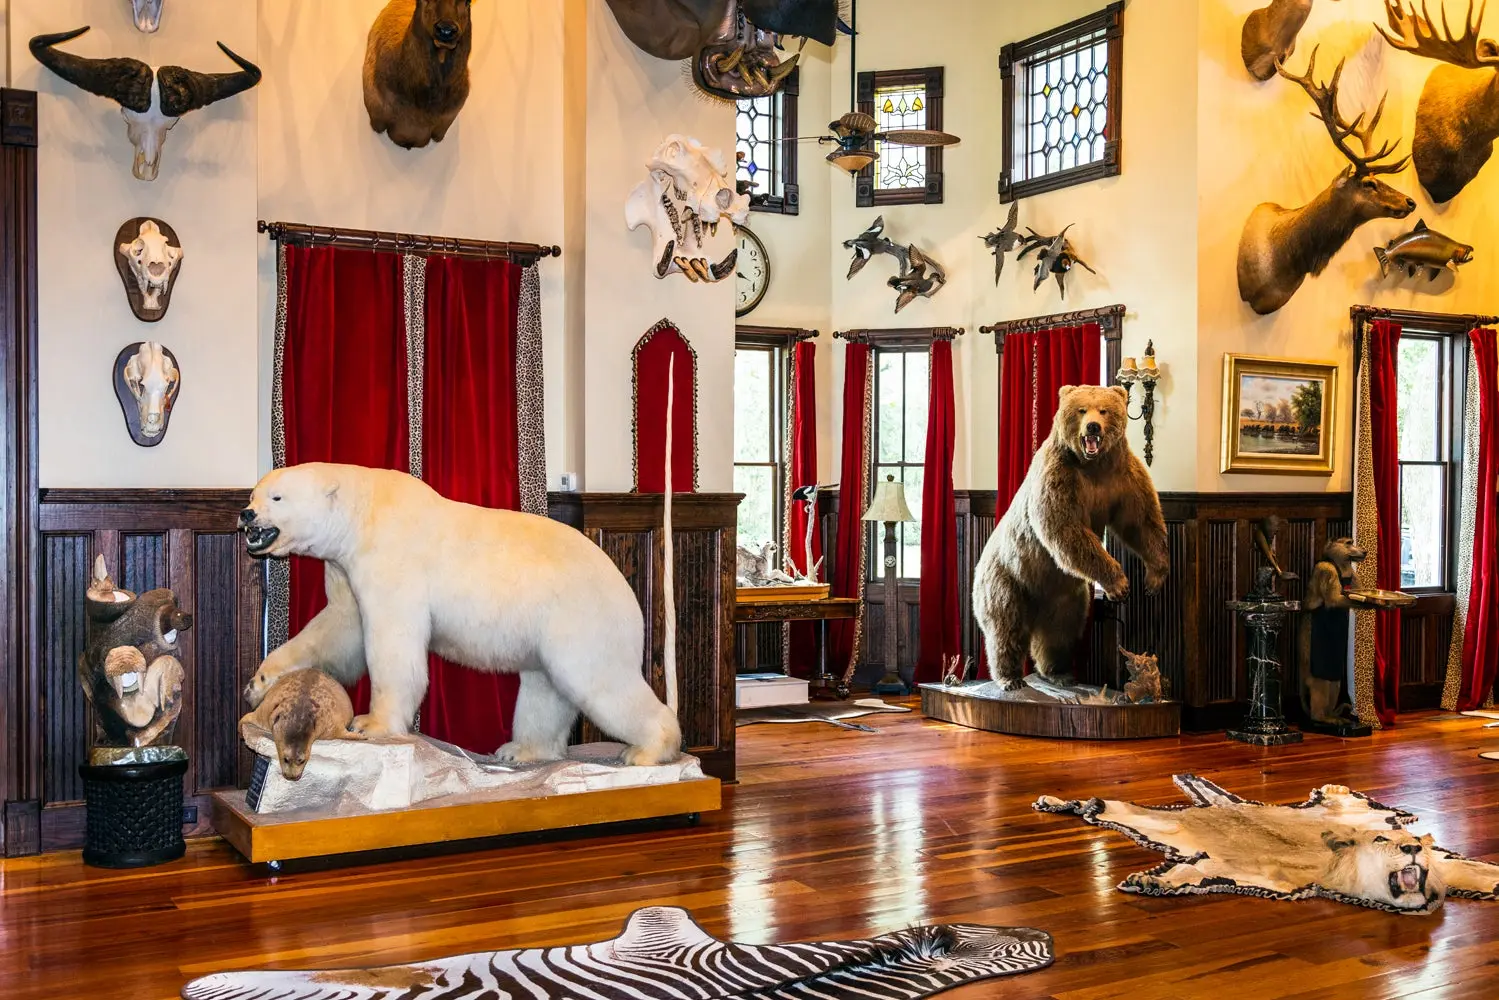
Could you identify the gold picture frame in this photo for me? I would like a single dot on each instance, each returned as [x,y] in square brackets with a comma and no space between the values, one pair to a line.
[1268,410]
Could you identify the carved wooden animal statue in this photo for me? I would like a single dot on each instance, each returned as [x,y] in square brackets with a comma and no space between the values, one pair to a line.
[1269,35]
[1281,246]
[416,69]
[1457,117]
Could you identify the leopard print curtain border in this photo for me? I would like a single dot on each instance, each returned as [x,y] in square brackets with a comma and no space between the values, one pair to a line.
[278,571]
[1468,516]
[414,285]
[1366,535]
[530,396]
[786,489]
[861,498]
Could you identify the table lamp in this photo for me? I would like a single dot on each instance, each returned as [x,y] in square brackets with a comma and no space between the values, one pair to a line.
[889,506]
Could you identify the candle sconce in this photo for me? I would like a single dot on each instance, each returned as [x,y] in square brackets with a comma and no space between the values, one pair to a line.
[1147,375]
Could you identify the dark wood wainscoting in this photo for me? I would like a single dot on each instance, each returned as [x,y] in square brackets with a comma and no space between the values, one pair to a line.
[185,540]
[628,527]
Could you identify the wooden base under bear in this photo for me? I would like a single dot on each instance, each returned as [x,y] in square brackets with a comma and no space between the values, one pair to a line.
[979,706]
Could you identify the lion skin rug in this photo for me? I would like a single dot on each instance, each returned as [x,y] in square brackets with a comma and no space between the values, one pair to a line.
[663,953]
[1338,844]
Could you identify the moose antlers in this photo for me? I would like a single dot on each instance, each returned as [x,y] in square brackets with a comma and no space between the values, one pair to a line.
[1325,97]
[1417,34]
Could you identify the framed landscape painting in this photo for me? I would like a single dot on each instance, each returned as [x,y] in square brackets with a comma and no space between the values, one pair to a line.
[1278,415]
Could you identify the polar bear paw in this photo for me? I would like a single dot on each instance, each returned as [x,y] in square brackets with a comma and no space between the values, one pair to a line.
[520,753]
[372,727]
[648,756]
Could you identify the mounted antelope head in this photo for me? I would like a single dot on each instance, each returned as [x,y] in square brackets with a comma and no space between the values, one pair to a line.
[147,14]
[1281,246]
[1457,117]
[151,100]
[1269,35]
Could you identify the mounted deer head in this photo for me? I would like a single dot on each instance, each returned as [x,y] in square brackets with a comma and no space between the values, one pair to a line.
[1457,117]
[1281,246]
[1269,35]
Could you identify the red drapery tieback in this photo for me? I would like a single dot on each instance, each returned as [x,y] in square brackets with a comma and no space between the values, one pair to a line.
[847,575]
[1481,631]
[941,626]
[802,471]
[1381,350]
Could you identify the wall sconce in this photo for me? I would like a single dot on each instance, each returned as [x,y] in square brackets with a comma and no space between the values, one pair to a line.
[1147,375]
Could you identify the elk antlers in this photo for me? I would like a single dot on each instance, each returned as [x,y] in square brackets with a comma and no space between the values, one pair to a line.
[1325,97]
[1416,34]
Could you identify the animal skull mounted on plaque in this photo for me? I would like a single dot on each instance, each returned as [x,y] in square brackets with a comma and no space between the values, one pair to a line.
[146,379]
[151,100]
[688,192]
[148,256]
[147,14]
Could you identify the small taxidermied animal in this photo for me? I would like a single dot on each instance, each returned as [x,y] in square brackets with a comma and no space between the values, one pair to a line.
[302,707]
[870,242]
[1144,682]
[1323,631]
[1003,240]
[416,69]
[1422,249]
[915,280]
[1056,257]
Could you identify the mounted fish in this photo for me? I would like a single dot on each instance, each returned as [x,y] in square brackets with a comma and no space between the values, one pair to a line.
[151,101]
[416,69]
[1055,256]
[1422,249]
[1457,117]
[1004,240]
[1269,35]
[147,14]
[148,256]
[146,380]
[915,281]
[1281,246]
[687,193]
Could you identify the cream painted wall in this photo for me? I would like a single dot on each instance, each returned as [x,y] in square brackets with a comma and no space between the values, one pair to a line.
[1241,168]
[1137,229]
[206,190]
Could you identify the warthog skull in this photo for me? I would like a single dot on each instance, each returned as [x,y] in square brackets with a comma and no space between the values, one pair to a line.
[151,100]
[152,261]
[152,378]
[147,14]
[688,193]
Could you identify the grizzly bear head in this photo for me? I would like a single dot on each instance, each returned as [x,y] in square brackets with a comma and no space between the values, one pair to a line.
[1090,420]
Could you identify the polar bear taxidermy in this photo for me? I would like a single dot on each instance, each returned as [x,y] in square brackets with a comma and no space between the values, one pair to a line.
[407,571]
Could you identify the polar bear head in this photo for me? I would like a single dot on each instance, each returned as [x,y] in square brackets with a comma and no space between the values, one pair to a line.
[297,511]
[1090,420]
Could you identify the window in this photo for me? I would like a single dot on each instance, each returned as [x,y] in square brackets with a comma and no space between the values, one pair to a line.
[1429,415]
[1061,96]
[899,448]
[759,441]
[766,131]
[903,175]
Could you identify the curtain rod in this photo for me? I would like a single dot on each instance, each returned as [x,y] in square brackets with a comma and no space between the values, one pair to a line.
[1110,314]
[297,234]
[1358,313]
[775,332]
[904,336]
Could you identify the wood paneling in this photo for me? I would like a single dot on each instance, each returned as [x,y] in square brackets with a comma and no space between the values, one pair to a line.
[627,527]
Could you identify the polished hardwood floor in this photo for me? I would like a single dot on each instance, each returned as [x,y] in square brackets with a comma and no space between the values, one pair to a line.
[831,834]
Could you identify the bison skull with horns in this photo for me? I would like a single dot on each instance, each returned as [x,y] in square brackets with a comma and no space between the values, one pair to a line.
[151,100]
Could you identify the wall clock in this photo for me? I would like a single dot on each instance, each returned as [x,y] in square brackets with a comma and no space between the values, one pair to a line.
[752,269]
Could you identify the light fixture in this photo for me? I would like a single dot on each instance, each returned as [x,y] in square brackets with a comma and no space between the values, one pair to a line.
[889,506]
[852,160]
[1147,375]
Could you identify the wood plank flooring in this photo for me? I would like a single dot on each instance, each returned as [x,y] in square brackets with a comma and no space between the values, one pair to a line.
[831,834]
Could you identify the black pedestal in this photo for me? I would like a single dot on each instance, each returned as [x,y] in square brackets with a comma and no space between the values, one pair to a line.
[134,814]
[1265,725]
[1346,730]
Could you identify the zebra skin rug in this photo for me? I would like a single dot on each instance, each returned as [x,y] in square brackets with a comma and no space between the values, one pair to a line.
[663,953]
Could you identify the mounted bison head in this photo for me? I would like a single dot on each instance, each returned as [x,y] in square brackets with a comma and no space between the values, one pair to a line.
[147,14]
[416,69]
[150,100]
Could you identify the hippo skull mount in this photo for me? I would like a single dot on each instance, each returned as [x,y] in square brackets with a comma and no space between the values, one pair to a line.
[148,256]
[147,14]
[151,100]
[146,382]
[687,193]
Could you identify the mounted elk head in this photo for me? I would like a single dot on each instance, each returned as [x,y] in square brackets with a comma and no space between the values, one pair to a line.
[1269,35]
[147,14]
[1457,117]
[146,383]
[416,69]
[1281,246]
[151,101]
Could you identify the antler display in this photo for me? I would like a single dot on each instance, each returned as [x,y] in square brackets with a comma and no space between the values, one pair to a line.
[1325,97]
[1416,33]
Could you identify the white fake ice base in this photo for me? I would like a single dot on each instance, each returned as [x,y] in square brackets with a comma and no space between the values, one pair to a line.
[769,691]
[353,777]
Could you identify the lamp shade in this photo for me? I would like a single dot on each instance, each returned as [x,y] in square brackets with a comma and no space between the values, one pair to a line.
[889,503]
[852,160]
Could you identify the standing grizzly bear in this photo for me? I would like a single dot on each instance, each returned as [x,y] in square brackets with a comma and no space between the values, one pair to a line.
[1032,587]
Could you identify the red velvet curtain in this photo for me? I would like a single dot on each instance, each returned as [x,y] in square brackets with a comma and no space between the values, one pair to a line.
[471,454]
[1381,350]
[940,609]
[652,360]
[343,381]
[1481,633]
[847,571]
[802,471]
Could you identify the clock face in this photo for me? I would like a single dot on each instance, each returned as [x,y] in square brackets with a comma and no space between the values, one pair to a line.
[752,269]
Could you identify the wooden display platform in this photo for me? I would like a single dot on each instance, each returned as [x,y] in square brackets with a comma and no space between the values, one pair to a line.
[1055,720]
[285,836]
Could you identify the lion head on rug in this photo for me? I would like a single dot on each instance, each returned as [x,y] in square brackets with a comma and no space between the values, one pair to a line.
[1337,845]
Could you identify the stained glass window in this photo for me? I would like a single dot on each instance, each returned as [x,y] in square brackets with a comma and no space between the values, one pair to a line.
[901,99]
[900,166]
[765,128]
[1061,90]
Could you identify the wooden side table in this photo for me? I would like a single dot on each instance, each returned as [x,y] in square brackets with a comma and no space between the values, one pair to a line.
[823,611]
